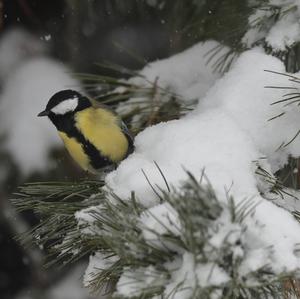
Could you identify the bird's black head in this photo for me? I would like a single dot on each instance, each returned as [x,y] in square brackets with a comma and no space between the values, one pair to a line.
[65,103]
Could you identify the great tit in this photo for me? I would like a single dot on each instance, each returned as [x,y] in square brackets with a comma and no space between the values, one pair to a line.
[95,137]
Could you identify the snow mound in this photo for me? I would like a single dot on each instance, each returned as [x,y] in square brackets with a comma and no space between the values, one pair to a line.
[227,135]
[276,22]
[184,72]
[186,75]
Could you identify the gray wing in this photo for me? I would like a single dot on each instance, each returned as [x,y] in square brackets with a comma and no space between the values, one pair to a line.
[129,137]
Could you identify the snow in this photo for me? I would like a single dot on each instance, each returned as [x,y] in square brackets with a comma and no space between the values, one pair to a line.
[133,283]
[182,71]
[85,219]
[227,135]
[192,153]
[226,232]
[285,33]
[242,95]
[186,75]
[26,93]
[281,32]
[210,273]
[97,262]
[159,220]
[236,112]
[254,261]
[190,274]
[47,37]
[255,33]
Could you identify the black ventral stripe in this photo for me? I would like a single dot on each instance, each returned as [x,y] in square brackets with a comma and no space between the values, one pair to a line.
[96,159]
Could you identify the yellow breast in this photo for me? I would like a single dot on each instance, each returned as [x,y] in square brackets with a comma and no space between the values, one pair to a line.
[76,151]
[101,128]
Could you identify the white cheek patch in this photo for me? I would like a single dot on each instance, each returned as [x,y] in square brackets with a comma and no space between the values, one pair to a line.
[65,106]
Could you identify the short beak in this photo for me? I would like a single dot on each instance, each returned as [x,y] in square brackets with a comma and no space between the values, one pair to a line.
[44,113]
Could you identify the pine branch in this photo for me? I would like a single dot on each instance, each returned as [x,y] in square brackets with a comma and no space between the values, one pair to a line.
[136,251]
[56,204]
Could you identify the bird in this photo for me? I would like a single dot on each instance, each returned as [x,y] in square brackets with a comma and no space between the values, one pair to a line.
[95,136]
